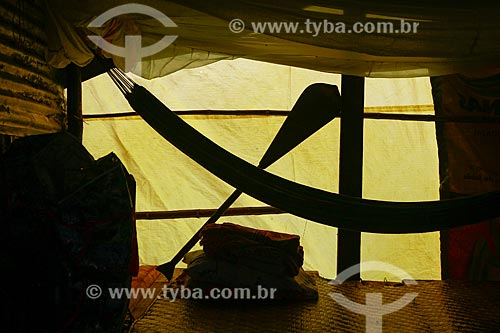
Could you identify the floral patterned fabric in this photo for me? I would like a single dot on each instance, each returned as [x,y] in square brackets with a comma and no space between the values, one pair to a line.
[67,223]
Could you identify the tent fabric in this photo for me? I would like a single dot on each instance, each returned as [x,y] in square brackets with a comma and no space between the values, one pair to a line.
[400,158]
[328,208]
[456,38]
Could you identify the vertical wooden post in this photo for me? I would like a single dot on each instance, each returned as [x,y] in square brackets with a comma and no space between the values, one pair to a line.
[351,165]
[444,181]
[74,100]
[5,141]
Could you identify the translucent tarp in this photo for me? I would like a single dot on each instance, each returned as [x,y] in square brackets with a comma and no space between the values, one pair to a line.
[400,157]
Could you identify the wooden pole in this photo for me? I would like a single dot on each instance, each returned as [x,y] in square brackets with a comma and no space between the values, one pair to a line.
[199,213]
[277,113]
[74,101]
[350,165]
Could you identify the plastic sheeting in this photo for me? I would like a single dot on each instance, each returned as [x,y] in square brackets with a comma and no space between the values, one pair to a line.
[400,159]
[469,165]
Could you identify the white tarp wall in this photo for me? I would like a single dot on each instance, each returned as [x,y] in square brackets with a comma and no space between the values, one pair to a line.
[400,157]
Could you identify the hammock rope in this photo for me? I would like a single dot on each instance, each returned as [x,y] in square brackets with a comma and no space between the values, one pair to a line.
[320,206]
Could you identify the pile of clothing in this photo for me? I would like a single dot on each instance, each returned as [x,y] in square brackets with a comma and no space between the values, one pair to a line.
[235,256]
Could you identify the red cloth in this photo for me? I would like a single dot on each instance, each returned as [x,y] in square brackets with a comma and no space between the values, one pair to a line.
[465,258]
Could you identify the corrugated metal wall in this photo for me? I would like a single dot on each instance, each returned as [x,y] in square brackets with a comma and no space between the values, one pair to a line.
[31,99]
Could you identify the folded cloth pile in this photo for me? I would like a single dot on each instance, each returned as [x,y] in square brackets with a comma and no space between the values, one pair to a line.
[242,257]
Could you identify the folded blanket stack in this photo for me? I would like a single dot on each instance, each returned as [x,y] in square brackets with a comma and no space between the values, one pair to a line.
[243,257]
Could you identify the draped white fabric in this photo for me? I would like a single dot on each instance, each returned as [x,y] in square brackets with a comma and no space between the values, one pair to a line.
[455,38]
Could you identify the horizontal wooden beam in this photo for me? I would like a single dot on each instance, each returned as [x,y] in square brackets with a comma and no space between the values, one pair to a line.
[366,115]
[199,113]
[198,213]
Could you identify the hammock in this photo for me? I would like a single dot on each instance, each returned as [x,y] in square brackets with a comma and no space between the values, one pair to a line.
[313,204]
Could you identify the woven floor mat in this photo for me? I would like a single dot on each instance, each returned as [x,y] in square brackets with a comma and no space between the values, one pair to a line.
[440,306]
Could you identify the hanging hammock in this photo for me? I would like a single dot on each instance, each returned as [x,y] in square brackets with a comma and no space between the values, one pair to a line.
[324,207]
